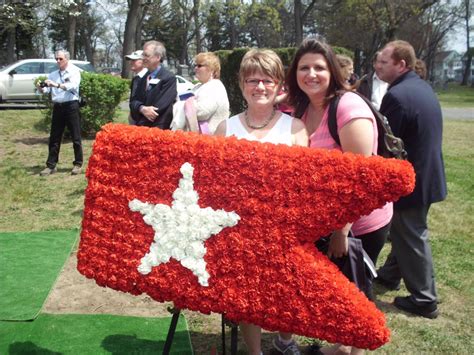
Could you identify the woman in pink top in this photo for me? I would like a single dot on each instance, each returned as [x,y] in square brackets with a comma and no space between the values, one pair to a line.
[313,79]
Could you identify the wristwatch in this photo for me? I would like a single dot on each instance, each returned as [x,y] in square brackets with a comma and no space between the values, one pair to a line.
[59,85]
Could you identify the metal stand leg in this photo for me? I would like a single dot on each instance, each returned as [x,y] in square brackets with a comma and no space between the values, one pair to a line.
[171,330]
[223,334]
[233,339]
[233,336]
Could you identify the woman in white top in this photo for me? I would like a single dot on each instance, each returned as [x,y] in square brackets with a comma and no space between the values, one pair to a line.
[211,101]
[260,78]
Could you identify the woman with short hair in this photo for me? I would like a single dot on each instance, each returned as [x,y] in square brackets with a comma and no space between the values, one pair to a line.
[261,77]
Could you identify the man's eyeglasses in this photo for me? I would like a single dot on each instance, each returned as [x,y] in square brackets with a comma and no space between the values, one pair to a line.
[255,82]
[200,65]
[59,59]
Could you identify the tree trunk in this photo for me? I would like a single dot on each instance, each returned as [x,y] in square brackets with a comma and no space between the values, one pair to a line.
[129,44]
[197,26]
[71,36]
[298,22]
[138,33]
[88,47]
[467,69]
[11,44]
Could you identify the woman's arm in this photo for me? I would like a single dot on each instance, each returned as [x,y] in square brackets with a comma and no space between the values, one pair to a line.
[221,129]
[357,136]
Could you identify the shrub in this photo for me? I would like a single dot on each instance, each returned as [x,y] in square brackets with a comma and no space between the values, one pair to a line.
[102,94]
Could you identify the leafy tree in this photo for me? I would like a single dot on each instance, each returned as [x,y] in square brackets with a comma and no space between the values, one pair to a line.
[214,28]
[263,24]
[18,26]
[233,12]
[80,34]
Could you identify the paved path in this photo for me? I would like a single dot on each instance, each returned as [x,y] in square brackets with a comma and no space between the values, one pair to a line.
[458,113]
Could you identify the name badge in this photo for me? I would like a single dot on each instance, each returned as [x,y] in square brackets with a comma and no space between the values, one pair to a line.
[154,81]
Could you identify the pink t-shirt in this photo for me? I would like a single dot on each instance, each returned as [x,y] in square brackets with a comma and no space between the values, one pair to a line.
[350,107]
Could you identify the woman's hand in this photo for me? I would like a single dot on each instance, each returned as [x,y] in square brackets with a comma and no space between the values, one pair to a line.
[338,243]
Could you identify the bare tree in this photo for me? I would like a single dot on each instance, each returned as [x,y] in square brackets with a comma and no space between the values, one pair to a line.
[467,70]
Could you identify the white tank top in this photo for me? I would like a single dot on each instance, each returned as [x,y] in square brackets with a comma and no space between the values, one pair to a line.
[279,134]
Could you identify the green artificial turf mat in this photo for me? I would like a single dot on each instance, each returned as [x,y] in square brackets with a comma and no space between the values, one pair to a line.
[29,266]
[92,334]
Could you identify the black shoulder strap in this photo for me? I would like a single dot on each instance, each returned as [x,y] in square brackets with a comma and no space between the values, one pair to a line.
[332,118]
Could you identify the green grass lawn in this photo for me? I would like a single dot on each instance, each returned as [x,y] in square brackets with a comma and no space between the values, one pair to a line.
[456,96]
[34,203]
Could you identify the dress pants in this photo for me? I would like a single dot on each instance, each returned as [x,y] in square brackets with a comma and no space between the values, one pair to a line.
[65,114]
[410,258]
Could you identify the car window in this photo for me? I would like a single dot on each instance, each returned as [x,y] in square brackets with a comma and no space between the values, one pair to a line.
[181,81]
[50,67]
[86,67]
[29,68]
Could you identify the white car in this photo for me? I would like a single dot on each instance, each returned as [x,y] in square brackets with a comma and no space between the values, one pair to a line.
[16,80]
[183,84]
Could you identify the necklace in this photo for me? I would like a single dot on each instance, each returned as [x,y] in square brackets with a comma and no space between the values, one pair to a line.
[263,125]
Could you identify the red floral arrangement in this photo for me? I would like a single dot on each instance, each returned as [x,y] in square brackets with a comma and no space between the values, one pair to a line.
[264,270]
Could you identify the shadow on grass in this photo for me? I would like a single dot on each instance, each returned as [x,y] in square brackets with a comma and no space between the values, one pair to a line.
[78,213]
[76,192]
[129,344]
[32,141]
[212,343]
[28,347]
[35,170]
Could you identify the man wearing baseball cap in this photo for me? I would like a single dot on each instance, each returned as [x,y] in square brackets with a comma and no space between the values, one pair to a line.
[136,65]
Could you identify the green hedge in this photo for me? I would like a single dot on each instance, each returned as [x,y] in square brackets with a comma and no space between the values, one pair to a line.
[230,64]
[102,93]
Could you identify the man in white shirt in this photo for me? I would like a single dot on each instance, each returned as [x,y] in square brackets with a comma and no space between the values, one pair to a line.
[372,87]
[63,84]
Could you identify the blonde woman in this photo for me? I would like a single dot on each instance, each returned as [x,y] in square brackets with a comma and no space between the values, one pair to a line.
[210,102]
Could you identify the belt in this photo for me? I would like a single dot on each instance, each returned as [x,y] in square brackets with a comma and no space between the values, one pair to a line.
[64,104]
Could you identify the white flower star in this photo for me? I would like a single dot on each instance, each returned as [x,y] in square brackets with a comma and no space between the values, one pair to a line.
[180,230]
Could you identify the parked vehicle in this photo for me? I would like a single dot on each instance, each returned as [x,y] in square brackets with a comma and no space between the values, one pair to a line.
[183,84]
[16,80]
[111,70]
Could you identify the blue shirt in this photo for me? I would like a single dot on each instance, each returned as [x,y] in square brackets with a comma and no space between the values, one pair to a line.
[70,78]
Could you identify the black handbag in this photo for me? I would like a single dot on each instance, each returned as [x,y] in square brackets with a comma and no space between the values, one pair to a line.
[356,265]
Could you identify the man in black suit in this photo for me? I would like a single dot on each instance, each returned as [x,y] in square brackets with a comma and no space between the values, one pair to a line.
[152,103]
[415,116]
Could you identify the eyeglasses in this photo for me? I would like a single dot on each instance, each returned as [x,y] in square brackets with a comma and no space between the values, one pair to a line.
[255,82]
[200,65]
[59,59]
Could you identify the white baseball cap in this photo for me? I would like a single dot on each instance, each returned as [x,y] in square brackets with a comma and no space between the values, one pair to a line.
[135,55]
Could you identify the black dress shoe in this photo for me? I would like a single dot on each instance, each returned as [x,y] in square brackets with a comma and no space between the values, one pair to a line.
[407,305]
[387,284]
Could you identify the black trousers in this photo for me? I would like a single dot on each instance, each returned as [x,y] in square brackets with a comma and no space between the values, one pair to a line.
[373,242]
[65,115]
